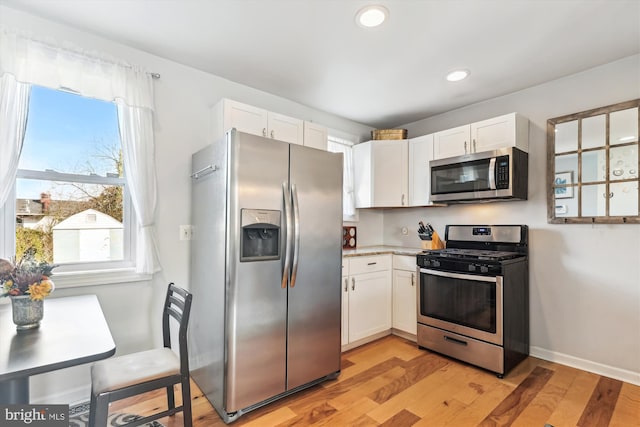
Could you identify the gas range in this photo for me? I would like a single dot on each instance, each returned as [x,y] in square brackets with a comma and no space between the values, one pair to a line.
[473,296]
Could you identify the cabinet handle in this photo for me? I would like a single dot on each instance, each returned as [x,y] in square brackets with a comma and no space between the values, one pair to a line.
[353,283]
[371,263]
[264,131]
[475,150]
[272,134]
[346,284]
[465,147]
[413,279]
[402,202]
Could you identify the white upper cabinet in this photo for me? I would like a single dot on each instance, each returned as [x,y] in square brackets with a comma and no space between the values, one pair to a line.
[381,173]
[509,130]
[420,153]
[393,173]
[243,117]
[285,128]
[315,136]
[451,142]
[229,114]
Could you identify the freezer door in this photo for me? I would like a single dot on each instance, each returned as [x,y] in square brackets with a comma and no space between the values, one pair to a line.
[315,292]
[256,303]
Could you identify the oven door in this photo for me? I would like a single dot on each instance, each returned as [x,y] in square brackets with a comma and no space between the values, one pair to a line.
[466,304]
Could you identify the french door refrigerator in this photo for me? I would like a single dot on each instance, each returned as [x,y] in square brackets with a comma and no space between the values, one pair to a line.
[265,270]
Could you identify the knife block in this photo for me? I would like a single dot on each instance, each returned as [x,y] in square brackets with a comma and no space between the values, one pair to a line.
[426,244]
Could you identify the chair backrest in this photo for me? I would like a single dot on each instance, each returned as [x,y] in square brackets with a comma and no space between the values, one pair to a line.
[177,305]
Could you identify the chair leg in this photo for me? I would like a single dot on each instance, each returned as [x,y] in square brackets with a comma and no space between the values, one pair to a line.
[186,403]
[171,400]
[98,410]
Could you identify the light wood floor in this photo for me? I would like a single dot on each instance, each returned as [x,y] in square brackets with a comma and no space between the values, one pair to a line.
[391,382]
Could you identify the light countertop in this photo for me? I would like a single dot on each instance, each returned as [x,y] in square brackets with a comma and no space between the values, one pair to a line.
[380,250]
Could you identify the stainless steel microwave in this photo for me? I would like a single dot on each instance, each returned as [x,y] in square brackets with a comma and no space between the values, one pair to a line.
[487,176]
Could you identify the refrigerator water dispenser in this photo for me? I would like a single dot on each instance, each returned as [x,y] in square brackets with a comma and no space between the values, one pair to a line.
[260,235]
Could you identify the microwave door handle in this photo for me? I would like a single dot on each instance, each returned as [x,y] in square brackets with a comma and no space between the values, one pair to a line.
[492,173]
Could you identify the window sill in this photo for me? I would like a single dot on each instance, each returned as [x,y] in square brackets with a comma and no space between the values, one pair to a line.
[78,279]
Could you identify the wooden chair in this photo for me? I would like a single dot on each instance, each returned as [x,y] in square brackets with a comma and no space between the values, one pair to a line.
[120,377]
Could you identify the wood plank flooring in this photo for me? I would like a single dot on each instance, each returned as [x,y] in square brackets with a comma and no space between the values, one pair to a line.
[391,382]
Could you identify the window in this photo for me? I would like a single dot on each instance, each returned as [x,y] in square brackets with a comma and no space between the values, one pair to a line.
[71,202]
[344,146]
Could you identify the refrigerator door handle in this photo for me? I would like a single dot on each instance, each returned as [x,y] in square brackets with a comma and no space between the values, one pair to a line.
[287,245]
[296,233]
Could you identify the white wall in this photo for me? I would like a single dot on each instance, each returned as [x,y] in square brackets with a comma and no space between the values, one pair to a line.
[585,279]
[183,98]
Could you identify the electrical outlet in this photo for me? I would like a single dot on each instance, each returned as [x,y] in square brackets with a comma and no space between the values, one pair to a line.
[186,232]
[405,231]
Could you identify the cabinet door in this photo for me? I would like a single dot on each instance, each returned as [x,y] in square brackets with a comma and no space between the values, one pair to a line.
[420,153]
[345,311]
[315,136]
[404,301]
[369,308]
[390,169]
[285,128]
[494,133]
[244,118]
[509,130]
[452,142]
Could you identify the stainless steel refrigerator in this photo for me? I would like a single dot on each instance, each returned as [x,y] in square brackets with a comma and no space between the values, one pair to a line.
[265,270]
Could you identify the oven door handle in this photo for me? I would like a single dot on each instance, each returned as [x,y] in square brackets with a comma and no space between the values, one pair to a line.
[493,279]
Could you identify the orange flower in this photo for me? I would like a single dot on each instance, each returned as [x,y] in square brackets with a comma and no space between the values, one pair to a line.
[38,291]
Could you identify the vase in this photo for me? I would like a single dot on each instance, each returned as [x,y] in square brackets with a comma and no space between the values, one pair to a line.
[27,313]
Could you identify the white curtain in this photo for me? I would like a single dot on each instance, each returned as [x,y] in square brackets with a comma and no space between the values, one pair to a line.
[45,64]
[14,104]
[136,133]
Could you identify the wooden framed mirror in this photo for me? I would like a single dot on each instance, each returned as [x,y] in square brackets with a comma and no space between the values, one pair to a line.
[593,166]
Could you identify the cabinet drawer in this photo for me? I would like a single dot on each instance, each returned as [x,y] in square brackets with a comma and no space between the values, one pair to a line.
[404,262]
[369,264]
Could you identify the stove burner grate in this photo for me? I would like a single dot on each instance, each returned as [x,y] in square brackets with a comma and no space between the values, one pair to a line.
[473,254]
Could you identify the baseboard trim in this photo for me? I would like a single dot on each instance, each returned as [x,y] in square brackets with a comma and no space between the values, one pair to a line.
[75,395]
[366,340]
[586,365]
[405,335]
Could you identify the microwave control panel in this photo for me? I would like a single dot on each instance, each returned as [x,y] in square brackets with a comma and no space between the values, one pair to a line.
[502,172]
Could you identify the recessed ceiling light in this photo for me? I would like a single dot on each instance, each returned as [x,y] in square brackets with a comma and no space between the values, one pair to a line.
[371,16]
[457,75]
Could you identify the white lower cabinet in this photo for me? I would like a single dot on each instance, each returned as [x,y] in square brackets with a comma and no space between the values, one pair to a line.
[405,282]
[366,297]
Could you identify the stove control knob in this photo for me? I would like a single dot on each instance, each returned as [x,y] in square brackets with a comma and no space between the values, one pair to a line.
[484,268]
[436,263]
[472,267]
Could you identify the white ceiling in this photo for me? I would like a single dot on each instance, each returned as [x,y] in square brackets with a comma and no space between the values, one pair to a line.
[311,51]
